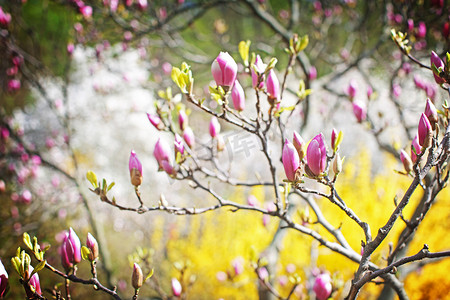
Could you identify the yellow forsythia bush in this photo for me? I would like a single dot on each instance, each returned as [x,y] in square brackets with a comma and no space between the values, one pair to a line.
[212,241]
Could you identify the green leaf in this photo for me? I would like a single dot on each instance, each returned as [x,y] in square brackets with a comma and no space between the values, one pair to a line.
[27,240]
[15,261]
[85,252]
[149,275]
[92,178]
[244,48]
[104,185]
[40,266]
[110,186]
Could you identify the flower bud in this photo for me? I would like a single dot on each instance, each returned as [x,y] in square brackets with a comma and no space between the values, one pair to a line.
[312,73]
[291,160]
[369,92]
[4,284]
[34,282]
[92,245]
[273,85]
[73,247]
[334,135]
[137,279]
[352,88]
[214,127]
[322,287]
[425,132]
[337,164]
[182,119]
[224,70]
[415,148]
[220,143]
[263,274]
[13,85]
[260,67]
[410,23]
[360,110]
[167,167]
[435,60]
[431,113]
[65,260]
[86,11]
[421,30]
[238,265]
[161,152]
[176,287]
[156,121]
[419,82]
[406,160]
[188,136]
[316,155]
[238,96]
[178,144]
[5,18]
[135,168]
[299,144]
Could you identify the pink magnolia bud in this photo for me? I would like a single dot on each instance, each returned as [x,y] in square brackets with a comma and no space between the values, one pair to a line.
[431,113]
[352,88]
[435,60]
[3,280]
[410,25]
[86,11]
[5,18]
[70,48]
[26,196]
[312,73]
[299,144]
[13,85]
[316,155]
[73,247]
[419,82]
[396,90]
[238,265]
[176,287]
[182,119]
[260,67]
[263,274]
[322,287]
[224,70]
[161,152]
[360,110]
[167,68]
[4,133]
[415,148]
[421,30]
[12,71]
[92,244]
[406,161]
[273,85]
[252,201]
[291,160]
[238,96]
[334,135]
[135,168]
[178,143]
[155,121]
[214,127]
[142,4]
[189,138]
[167,167]
[369,92]
[431,90]
[34,281]
[65,260]
[425,132]
[137,278]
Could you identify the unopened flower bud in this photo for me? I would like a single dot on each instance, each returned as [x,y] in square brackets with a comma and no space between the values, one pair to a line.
[421,30]
[92,245]
[220,143]
[182,119]
[425,132]
[224,70]
[316,155]
[135,168]
[312,73]
[322,286]
[360,110]
[4,284]
[273,85]
[238,96]
[34,282]
[176,287]
[431,113]
[178,144]
[415,148]
[406,160]
[299,145]
[189,137]
[352,88]
[291,160]
[260,67]
[5,18]
[337,164]
[155,121]
[161,152]
[214,127]
[435,60]
[137,279]
[334,135]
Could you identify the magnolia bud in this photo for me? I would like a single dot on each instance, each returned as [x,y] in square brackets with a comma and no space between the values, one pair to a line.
[238,96]
[176,287]
[291,160]
[92,244]
[435,60]
[316,155]
[425,132]
[34,282]
[135,168]
[220,143]
[161,152]
[4,284]
[260,67]
[182,119]
[224,70]
[431,113]
[137,279]
[352,88]
[214,127]
[155,121]
[406,160]
[322,287]
[188,136]
[360,110]
[337,164]
[415,148]
[299,144]
[273,85]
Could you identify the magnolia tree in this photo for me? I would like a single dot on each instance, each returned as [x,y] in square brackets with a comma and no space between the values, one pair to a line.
[266,109]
